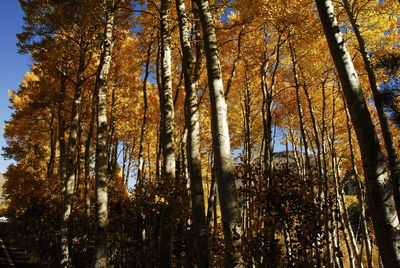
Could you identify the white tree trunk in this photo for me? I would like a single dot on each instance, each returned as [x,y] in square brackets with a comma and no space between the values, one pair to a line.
[168,139]
[100,254]
[193,143]
[383,120]
[231,216]
[379,190]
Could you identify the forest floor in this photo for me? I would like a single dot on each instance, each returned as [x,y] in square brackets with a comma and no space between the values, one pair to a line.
[11,253]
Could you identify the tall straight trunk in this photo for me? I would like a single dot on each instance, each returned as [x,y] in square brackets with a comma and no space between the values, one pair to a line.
[53,143]
[348,234]
[193,140]
[247,120]
[266,119]
[211,198]
[111,134]
[71,163]
[100,251]
[300,109]
[168,140]
[316,135]
[61,132]
[235,63]
[383,120]
[230,211]
[86,177]
[125,149]
[62,149]
[267,93]
[380,198]
[145,113]
[88,143]
[360,195]
[325,193]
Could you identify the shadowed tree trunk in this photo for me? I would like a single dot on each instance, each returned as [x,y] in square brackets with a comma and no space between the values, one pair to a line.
[231,216]
[145,112]
[168,140]
[71,162]
[379,190]
[193,142]
[53,143]
[100,252]
[360,195]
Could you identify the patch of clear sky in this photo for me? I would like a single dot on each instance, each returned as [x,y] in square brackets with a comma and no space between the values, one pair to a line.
[13,66]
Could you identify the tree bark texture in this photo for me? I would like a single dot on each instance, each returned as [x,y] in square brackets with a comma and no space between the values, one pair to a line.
[70,165]
[231,215]
[193,142]
[383,120]
[379,190]
[168,139]
[100,252]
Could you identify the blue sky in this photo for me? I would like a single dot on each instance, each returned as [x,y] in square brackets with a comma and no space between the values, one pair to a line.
[12,65]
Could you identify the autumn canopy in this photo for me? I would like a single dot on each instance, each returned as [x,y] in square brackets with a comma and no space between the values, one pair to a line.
[207,133]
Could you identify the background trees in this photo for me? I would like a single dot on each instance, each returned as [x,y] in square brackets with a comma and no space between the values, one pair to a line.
[284,186]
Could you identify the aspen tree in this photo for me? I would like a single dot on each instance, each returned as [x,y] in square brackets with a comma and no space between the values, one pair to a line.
[383,120]
[193,143]
[231,216]
[379,190]
[101,213]
[168,139]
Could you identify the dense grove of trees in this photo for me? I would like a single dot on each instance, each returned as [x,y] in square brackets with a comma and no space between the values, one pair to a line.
[146,133]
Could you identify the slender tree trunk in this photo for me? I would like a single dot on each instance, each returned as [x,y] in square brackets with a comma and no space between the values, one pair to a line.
[235,63]
[380,198]
[340,201]
[145,112]
[300,110]
[71,151]
[268,92]
[86,190]
[360,195]
[193,143]
[168,141]
[247,120]
[211,198]
[53,143]
[231,216]
[64,261]
[111,133]
[100,252]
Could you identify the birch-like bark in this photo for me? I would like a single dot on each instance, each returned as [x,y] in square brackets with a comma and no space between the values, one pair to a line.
[383,120]
[168,140]
[86,189]
[64,261]
[379,190]
[360,195]
[100,251]
[88,143]
[70,165]
[193,140]
[231,216]
[351,243]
